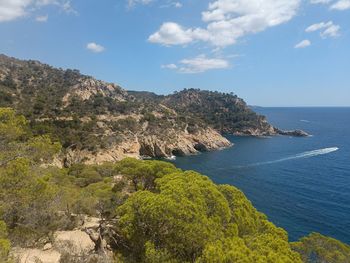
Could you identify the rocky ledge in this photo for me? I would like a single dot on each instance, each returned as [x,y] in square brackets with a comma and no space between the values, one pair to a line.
[294,133]
[272,131]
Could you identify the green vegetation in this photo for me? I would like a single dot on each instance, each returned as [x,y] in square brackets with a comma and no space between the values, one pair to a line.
[153,211]
[4,242]
[317,248]
[224,112]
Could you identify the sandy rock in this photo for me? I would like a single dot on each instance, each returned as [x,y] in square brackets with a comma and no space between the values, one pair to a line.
[26,255]
[75,242]
[91,222]
[47,246]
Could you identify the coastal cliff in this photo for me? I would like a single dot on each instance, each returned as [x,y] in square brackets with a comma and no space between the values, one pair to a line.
[98,121]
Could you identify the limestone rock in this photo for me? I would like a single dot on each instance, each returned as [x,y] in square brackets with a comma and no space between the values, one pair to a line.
[75,242]
[47,246]
[27,255]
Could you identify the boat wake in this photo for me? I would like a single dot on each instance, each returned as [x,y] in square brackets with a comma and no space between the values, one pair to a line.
[303,155]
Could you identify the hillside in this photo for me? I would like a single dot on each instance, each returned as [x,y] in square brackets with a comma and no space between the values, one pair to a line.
[98,121]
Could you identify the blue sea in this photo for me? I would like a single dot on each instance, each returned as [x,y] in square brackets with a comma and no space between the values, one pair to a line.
[301,184]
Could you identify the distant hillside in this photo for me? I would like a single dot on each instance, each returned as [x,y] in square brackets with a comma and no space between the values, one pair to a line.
[98,121]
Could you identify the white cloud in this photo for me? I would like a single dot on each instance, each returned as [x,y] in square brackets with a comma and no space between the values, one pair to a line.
[10,10]
[328,29]
[132,3]
[96,48]
[198,64]
[332,31]
[318,26]
[67,7]
[13,9]
[169,66]
[42,19]
[177,4]
[341,5]
[336,5]
[171,34]
[168,3]
[229,20]
[320,1]
[303,44]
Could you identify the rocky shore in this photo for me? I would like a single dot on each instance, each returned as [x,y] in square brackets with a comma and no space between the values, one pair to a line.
[174,144]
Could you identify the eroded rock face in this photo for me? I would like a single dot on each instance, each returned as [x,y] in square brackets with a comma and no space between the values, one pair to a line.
[140,146]
[87,87]
[83,244]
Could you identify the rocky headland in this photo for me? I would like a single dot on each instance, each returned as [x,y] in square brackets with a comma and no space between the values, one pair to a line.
[99,122]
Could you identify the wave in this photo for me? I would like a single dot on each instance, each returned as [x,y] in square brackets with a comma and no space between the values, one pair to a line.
[171,158]
[303,155]
[305,121]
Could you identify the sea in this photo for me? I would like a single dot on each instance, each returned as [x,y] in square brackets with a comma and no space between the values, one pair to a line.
[301,184]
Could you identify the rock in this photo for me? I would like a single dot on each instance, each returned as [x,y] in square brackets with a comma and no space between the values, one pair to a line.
[74,242]
[91,222]
[294,133]
[47,246]
[173,143]
[27,255]
[84,244]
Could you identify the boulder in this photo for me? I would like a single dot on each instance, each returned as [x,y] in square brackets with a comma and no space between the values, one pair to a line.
[73,242]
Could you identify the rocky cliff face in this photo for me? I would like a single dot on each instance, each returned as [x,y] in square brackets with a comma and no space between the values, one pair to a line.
[98,121]
[150,146]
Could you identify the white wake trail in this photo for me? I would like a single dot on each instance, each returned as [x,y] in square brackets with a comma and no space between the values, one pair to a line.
[297,156]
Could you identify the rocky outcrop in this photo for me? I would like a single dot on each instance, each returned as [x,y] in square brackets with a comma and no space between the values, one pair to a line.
[83,244]
[294,133]
[151,146]
[87,87]
[183,143]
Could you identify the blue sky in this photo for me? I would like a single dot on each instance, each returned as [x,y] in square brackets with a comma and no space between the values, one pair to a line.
[271,53]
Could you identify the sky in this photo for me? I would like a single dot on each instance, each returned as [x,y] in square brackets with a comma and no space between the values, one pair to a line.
[269,52]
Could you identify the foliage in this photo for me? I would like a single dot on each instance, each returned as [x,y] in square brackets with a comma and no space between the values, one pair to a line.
[4,242]
[317,248]
[187,217]
[142,174]
[222,111]
[16,141]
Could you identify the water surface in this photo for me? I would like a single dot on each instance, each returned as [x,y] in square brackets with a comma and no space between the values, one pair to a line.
[301,184]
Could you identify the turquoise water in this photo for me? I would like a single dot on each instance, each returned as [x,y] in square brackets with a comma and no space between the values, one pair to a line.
[301,184]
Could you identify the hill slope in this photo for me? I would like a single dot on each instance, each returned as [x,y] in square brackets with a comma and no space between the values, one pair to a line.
[98,121]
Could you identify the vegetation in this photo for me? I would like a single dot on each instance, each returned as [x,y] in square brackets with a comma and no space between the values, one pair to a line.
[317,248]
[224,112]
[154,211]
